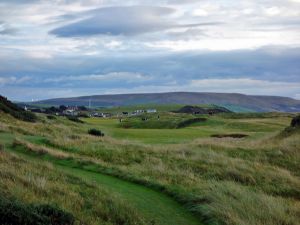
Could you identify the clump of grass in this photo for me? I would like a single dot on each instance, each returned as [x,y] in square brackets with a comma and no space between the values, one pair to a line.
[74,119]
[13,211]
[41,150]
[229,135]
[96,132]
[51,117]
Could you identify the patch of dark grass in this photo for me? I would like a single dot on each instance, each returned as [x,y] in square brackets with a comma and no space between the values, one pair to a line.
[229,135]
[13,211]
[51,117]
[74,119]
[189,122]
[96,132]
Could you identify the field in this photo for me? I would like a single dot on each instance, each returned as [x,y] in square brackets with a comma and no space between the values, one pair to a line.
[152,172]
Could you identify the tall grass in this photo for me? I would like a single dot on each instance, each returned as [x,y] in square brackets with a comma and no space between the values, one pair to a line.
[32,182]
[225,181]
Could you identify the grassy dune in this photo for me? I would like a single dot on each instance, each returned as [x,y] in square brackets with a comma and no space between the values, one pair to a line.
[253,180]
[40,182]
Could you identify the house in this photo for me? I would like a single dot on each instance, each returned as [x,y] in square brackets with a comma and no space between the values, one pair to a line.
[70,112]
[151,110]
[138,112]
[106,115]
[97,114]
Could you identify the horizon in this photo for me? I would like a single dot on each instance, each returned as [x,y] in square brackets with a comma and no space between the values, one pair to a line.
[61,49]
[153,93]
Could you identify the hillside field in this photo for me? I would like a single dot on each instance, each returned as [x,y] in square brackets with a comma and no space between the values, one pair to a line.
[234,168]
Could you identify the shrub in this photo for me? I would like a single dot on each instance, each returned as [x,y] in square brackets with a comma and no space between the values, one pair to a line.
[75,119]
[51,117]
[295,121]
[96,132]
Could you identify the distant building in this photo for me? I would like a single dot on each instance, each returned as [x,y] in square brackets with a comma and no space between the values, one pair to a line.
[151,110]
[106,115]
[138,112]
[70,112]
[96,114]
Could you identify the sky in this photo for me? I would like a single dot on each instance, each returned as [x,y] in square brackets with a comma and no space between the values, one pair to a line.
[64,48]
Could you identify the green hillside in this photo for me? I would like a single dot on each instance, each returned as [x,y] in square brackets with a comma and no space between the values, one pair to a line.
[15,111]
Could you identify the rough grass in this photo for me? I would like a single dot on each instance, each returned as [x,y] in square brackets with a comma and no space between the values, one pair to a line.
[32,182]
[13,211]
[254,180]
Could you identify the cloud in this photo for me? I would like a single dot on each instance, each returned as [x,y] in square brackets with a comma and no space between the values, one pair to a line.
[131,20]
[246,85]
[5,29]
[115,76]
[19,1]
[13,80]
[144,45]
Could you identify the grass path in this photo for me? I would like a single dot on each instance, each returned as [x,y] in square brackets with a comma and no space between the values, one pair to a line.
[153,205]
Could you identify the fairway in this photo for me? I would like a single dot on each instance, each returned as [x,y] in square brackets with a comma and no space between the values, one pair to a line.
[213,125]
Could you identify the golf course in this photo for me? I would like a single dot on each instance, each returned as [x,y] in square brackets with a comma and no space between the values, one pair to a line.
[160,168]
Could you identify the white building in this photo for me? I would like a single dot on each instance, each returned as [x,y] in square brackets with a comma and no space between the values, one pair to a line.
[151,110]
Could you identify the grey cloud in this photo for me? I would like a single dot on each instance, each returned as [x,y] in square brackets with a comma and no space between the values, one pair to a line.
[189,34]
[19,1]
[5,29]
[131,20]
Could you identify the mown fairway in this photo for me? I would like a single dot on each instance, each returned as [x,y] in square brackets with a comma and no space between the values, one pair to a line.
[216,124]
[157,176]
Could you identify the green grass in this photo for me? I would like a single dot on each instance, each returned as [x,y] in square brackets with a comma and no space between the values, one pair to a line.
[159,107]
[252,180]
[154,206]
[213,125]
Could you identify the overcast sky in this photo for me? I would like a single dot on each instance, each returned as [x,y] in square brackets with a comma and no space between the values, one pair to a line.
[60,48]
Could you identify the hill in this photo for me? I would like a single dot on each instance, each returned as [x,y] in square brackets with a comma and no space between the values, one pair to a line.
[232,101]
[201,110]
[8,107]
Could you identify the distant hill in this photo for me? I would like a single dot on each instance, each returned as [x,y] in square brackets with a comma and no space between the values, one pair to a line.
[232,101]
